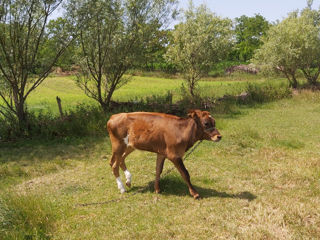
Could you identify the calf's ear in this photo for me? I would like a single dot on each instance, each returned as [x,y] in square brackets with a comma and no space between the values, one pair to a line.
[205,113]
[192,113]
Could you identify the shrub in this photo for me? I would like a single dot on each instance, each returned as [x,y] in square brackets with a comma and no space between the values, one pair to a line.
[84,120]
[160,99]
[267,92]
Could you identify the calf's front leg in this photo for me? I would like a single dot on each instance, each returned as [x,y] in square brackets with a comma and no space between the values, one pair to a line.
[159,168]
[186,177]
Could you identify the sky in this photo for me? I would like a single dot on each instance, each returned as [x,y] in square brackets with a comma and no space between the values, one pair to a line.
[272,10]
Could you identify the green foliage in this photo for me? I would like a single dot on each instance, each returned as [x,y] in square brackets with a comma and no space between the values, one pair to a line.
[291,45]
[58,31]
[26,217]
[266,92]
[154,50]
[24,65]
[114,40]
[218,70]
[310,65]
[248,33]
[198,42]
[165,99]
[83,120]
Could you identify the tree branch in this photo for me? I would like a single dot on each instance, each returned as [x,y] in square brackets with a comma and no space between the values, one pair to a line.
[7,103]
[47,71]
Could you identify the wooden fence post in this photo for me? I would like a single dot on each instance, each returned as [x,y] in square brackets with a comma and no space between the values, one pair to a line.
[60,107]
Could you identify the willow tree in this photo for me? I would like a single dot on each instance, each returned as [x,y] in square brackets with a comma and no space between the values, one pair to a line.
[310,56]
[291,45]
[22,65]
[112,35]
[198,42]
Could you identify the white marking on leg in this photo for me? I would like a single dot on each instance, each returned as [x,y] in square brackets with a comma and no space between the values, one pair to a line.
[128,177]
[120,185]
[126,140]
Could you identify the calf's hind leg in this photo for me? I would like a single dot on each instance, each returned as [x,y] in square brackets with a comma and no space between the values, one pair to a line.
[116,157]
[120,150]
[124,167]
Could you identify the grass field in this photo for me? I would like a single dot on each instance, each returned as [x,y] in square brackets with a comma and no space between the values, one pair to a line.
[262,181]
[44,97]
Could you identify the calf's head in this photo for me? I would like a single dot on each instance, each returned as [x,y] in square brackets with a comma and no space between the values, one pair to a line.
[206,124]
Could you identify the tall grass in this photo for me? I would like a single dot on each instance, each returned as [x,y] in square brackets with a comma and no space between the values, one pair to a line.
[26,217]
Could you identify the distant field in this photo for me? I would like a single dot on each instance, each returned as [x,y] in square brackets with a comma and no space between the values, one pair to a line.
[260,182]
[44,98]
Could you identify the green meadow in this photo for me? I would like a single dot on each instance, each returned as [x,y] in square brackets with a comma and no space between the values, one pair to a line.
[44,97]
[262,181]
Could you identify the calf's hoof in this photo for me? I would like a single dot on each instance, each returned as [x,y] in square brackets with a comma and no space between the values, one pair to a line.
[128,184]
[196,196]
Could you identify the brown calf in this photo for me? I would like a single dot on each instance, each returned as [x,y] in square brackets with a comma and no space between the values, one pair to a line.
[167,135]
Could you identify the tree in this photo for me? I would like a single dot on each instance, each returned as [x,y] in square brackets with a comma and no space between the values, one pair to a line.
[22,67]
[56,28]
[310,56]
[201,40]
[248,33]
[155,49]
[291,45]
[309,4]
[112,37]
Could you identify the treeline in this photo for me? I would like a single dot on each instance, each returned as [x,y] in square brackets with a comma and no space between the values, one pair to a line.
[106,38]
[246,38]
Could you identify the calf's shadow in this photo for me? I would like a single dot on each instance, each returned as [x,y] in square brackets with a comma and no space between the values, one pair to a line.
[172,185]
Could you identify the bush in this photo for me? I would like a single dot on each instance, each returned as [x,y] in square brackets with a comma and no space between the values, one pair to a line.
[84,120]
[8,128]
[187,100]
[267,92]
[160,99]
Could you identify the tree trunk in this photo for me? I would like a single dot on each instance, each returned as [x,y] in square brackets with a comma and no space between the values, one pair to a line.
[312,79]
[191,89]
[22,116]
[191,86]
[105,105]
[19,109]
[294,81]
